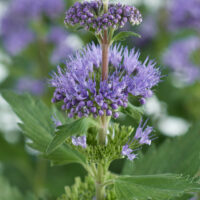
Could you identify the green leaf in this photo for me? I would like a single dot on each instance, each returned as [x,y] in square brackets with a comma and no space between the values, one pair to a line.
[8,192]
[16,155]
[77,127]
[134,112]
[156,187]
[185,197]
[123,35]
[39,128]
[60,116]
[130,116]
[178,155]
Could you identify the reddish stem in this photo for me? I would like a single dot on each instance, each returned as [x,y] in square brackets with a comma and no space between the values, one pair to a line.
[105,55]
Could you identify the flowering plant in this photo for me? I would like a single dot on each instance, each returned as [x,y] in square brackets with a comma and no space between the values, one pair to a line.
[94,89]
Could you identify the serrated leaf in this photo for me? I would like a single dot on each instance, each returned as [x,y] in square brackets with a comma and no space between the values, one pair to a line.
[38,126]
[156,187]
[77,127]
[123,35]
[178,155]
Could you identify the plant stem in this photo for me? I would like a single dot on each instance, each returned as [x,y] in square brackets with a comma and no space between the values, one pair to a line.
[105,46]
[100,190]
[100,177]
[105,53]
[40,176]
[103,130]
[105,60]
[105,5]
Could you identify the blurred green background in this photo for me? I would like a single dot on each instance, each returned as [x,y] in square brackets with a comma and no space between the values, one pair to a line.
[33,43]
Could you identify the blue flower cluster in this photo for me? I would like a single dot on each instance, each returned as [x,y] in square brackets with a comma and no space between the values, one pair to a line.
[186,15]
[15,25]
[179,58]
[88,15]
[83,93]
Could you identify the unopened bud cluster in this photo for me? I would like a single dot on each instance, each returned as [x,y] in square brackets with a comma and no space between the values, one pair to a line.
[88,15]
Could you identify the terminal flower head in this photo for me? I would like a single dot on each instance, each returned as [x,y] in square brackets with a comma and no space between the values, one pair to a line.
[80,88]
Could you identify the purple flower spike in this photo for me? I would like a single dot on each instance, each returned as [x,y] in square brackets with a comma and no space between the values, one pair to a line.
[126,151]
[143,134]
[79,141]
[84,94]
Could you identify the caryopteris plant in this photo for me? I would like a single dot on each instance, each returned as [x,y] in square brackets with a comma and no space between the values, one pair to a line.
[94,89]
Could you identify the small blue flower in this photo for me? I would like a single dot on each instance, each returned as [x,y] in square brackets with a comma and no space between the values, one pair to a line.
[126,151]
[142,134]
[56,121]
[79,141]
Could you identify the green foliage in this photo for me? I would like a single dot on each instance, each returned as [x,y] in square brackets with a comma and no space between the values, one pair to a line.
[156,187]
[116,139]
[8,192]
[123,36]
[38,126]
[185,197]
[130,116]
[180,155]
[77,127]
[15,154]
